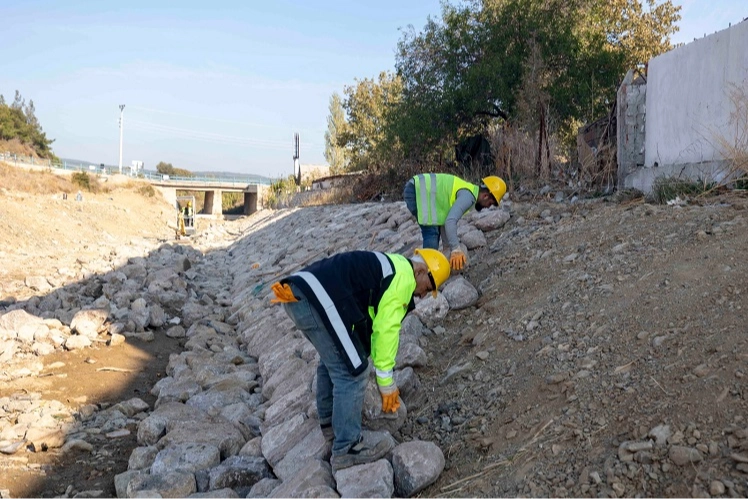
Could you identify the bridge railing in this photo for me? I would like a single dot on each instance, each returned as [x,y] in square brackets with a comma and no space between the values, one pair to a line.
[146,175]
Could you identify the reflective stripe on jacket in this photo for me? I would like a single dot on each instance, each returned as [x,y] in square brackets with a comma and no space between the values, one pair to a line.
[435,195]
[362,298]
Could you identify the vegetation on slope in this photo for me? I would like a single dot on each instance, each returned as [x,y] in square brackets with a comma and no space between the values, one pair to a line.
[18,122]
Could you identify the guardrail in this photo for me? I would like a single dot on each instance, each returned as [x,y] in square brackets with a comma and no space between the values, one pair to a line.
[146,175]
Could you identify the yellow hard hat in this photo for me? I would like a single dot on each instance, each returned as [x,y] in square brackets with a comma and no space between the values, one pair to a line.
[189,203]
[438,265]
[496,186]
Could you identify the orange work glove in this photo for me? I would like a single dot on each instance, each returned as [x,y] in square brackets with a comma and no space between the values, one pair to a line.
[457,259]
[390,398]
[283,294]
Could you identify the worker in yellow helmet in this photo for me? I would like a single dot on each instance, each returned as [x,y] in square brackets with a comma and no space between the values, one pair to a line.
[351,306]
[438,201]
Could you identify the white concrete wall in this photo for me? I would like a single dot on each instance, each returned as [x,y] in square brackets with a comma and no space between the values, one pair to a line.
[688,104]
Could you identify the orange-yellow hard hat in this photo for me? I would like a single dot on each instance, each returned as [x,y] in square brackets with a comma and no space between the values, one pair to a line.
[438,266]
[496,186]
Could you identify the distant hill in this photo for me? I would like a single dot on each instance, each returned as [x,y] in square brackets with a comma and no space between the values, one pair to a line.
[248,176]
[72,161]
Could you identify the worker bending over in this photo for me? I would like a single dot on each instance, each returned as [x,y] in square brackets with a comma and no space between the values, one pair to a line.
[351,306]
[438,201]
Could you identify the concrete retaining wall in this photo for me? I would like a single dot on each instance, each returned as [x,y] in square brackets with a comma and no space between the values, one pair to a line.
[688,108]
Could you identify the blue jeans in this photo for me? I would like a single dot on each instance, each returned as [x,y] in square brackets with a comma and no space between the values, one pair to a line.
[340,395]
[430,233]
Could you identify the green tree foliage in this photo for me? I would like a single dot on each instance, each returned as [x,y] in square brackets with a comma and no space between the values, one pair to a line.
[168,169]
[526,61]
[366,136]
[18,121]
[335,154]
[639,33]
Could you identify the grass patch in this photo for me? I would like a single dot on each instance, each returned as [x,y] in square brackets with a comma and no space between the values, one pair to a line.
[666,189]
[33,182]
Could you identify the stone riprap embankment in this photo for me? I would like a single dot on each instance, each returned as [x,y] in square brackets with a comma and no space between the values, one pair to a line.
[235,414]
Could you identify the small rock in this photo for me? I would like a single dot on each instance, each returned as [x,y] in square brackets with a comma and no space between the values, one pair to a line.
[682,456]
[716,488]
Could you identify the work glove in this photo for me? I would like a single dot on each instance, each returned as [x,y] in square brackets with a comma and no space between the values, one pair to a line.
[390,398]
[283,294]
[457,259]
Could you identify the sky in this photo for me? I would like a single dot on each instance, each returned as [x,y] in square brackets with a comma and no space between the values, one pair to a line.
[214,86]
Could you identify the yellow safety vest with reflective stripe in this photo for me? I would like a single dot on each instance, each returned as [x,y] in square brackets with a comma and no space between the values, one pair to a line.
[386,322]
[435,195]
[347,287]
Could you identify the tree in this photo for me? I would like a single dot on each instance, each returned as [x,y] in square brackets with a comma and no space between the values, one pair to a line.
[165,168]
[527,61]
[18,121]
[638,33]
[335,154]
[365,136]
[18,101]
[30,111]
[168,169]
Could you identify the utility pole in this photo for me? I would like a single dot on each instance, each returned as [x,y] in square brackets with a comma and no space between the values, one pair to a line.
[121,118]
[296,165]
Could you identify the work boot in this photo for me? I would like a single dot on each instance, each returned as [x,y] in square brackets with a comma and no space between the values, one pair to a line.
[327,432]
[372,446]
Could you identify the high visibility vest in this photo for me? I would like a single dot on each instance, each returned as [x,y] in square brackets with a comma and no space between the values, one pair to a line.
[362,298]
[435,195]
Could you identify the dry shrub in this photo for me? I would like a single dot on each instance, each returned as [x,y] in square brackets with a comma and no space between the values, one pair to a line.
[142,187]
[735,147]
[85,181]
[599,170]
[514,153]
[146,191]
[32,181]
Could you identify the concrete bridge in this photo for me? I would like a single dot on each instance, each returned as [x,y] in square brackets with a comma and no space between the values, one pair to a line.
[211,186]
[213,189]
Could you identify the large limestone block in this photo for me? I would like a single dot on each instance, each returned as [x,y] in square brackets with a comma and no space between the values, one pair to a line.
[432,310]
[142,457]
[490,219]
[291,368]
[285,407]
[473,239]
[278,440]
[374,418]
[243,418]
[88,323]
[316,473]
[172,484]
[410,355]
[366,480]
[313,446]
[276,354]
[188,457]
[239,473]
[178,390]
[416,464]
[227,392]
[460,293]
[217,432]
